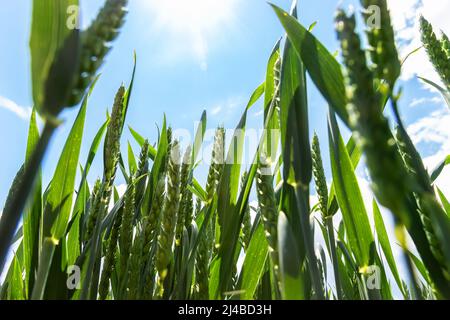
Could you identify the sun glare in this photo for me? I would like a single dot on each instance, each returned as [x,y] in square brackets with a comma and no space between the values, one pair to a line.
[195,23]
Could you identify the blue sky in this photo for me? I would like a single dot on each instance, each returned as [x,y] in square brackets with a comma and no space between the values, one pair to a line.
[208,55]
[184,67]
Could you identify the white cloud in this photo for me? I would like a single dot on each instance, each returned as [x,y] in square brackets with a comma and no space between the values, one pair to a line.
[421,101]
[216,110]
[190,28]
[405,16]
[22,112]
[433,131]
[259,113]
[227,106]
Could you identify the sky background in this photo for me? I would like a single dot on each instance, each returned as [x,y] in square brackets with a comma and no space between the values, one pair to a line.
[206,54]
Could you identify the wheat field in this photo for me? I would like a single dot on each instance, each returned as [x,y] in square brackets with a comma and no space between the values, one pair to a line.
[168,236]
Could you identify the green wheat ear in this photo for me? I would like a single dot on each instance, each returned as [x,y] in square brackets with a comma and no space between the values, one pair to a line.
[134,268]
[360,89]
[110,257]
[319,177]
[202,262]
[126,230]
[389,176]
[169,217]
[217,161]
[382,42]
[111,149]
[143,160]
[426,202]
[94,45]
[268,206]
[412,160]
[446,44]
[207,243]
[436,51]
[188,205]
[93,214]
[198,207]
[152,219]
[213,180]
[141,172]
[111,153]
[150,232]
[276,82]
[185,194]
[113,133]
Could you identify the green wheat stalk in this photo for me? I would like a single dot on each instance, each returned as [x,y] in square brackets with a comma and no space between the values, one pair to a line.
[269,209]
[436,51]
[169,218]
[94,45]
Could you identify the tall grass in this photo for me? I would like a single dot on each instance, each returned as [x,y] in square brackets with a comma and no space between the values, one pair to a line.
[153,243]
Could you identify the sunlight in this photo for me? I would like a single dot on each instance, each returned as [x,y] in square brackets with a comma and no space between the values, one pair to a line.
[194,23]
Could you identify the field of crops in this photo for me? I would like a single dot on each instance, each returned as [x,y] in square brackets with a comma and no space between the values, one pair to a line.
[168,236]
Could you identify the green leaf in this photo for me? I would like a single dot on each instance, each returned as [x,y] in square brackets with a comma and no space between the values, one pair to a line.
[322,66]
[59,200]
[383,239]
[132,165]
[230,207]
[16,288]
[296,149]
[141,140]
[127,96]
[228,216]
[271,90]
[296,152]
[256,95]
[420,267]
[198,140]
[73,238]
[349,196]
[49,33]
[445,93]
[437,172]
[292,287]
[160,155]
[444,201]
[254,262]
[441,225]
[32,214]
[158,162]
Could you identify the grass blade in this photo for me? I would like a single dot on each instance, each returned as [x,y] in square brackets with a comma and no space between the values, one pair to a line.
[436,172]
[253,267]
[32,215]
[383,239]
[59,200]
[445,93]
[322,66]
[349,197]
[292,286]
